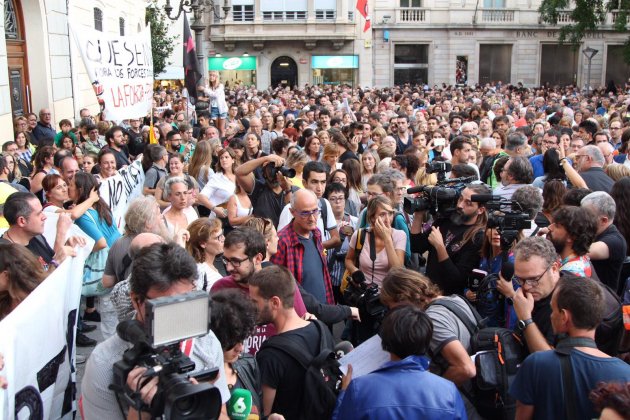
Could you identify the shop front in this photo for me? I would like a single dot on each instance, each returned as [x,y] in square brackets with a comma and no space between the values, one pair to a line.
[335,69]
[234,70]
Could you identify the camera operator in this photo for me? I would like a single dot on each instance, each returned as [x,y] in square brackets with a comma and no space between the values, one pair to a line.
[159,270]
[270,196]
[453,243]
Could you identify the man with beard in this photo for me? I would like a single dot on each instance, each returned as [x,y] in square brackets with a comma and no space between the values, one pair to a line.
[453,243]
[244,250]
[282,376]
[572,232]
[268,197]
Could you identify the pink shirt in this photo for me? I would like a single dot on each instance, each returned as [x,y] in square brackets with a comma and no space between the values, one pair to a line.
[381,264]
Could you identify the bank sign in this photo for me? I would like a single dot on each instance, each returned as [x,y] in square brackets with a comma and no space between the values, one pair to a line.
[335,62]
[231,63]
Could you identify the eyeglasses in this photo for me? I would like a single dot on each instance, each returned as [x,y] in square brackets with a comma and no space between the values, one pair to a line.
[615,128]
[533,281]
[236,263]
[336,199]
[307,214]
[219,237]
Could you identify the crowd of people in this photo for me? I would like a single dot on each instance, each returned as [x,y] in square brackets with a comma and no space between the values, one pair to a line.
[409,212]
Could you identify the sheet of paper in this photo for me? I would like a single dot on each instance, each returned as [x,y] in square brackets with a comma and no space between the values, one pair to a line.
[366,358]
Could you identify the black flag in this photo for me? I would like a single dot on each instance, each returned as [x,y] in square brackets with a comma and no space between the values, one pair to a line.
[192,74]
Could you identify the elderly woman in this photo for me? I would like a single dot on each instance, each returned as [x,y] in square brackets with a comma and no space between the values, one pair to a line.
[205,243]
[180,213]
[20,274]
[176,169]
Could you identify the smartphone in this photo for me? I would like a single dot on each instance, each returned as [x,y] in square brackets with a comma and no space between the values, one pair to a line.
[475,278]
[439,142]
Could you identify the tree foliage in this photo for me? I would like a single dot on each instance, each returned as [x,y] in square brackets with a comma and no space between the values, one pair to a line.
[587,16]
[162,45]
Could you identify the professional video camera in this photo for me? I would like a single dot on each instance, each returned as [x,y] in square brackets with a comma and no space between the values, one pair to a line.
[506,216]
[440,200]
[156,346]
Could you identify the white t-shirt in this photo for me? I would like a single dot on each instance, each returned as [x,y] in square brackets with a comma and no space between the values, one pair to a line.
[286,217]
[206,275]
[218,189]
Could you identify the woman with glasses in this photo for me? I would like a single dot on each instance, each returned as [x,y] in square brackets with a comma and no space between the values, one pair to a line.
[205,244]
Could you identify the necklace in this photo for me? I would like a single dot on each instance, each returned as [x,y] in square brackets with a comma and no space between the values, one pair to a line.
[6,234]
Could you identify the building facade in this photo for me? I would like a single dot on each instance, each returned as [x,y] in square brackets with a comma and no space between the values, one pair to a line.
[40,65]
[410,41]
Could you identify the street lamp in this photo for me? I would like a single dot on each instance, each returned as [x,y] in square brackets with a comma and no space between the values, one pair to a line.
[589,53]
[198,7]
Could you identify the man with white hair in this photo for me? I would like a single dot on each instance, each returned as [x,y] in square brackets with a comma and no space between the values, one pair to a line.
[608,250]
[590,165]
[607,150]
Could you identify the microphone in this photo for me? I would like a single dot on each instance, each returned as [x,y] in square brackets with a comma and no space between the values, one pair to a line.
[133,332]
[483,198]
[343,348]
[507,271]
[414,190]
[240,404]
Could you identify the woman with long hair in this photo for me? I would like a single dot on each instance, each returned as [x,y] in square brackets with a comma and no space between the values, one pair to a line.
[369,163]
[278,125]
[218,107]
[551,169]
[16,179]
[56,191]
[312,147]
[200,166]
[297,161]
[42,166]
[20,274]
[553,194]
[205,244]
[500,137]
[98,224]
[239,207]
[352,167]
[620,193]
[221,185]
[25,148]
[107,164]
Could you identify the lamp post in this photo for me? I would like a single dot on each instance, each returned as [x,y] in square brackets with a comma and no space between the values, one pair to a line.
[589,53]
[197,7]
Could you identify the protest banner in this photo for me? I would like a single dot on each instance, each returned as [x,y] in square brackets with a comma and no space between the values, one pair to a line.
[119,190]
[37,342]
[120,69]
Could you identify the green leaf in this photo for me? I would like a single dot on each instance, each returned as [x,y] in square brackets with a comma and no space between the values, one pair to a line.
[162,45]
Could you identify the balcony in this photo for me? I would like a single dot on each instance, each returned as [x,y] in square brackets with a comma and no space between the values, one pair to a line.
[564,17]
[284,16]
[497,16]
[412,15]
[616,15]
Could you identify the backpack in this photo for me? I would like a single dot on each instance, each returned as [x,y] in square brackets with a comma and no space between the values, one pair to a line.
[499,353]
[322,380]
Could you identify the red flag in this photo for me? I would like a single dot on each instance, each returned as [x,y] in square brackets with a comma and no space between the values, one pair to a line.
[362,7]
[192,74]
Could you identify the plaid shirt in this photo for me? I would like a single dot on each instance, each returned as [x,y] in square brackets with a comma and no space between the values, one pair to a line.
[291,253]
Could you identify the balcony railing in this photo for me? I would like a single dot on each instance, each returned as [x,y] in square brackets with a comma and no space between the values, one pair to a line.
[325,14]
[412,15]
[564,17]
[284,16]
[243,16]
[497,16]
[616,15]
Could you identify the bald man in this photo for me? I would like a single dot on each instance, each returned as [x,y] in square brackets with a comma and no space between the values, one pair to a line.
[300,247]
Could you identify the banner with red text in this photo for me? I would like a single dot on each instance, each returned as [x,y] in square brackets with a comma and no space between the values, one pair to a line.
[120,69]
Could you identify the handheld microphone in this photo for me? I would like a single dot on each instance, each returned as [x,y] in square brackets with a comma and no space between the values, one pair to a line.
[240,404]
[343,348]
[507,271]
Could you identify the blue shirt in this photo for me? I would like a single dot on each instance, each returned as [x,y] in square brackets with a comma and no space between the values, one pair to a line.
[537,165]
[312,277]
[402,390]
[97,228]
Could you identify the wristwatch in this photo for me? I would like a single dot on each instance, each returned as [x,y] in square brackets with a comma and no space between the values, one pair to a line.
[523,324]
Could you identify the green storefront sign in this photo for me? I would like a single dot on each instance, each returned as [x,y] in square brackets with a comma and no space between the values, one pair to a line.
[231,63]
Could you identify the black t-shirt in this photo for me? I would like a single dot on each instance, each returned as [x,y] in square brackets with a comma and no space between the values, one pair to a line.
[608,270]
[267,203]
[40,248]
[541,315]
[280,371]
[122,157]
[348,154]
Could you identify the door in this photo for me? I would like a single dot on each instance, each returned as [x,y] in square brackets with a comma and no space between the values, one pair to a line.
[558,65]
[283,72]
[16,54]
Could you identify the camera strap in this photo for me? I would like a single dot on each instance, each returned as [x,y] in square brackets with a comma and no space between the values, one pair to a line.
[372,251]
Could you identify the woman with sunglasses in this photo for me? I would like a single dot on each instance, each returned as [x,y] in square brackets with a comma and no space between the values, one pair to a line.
[205,244]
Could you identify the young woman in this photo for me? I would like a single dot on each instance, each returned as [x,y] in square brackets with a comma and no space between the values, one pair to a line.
[89,161]
[239,207]
[312,148]
[205,243]
[20,274]
[25,148]
[324,137]
[218,107]
[278,125]
[97,223]
[107,164]
[352,167]
[16,179]
[331,156]
[297,161]
[67,143]
[200,166]
[369,163]
[42,166]
[220,186]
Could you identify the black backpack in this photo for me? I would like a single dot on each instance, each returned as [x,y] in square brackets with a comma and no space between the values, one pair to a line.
[322,381]
[502,354]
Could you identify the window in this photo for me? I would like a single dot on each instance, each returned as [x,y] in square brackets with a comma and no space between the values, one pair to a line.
[243,12]
[494,4]
[281,10]
[325,14]
[411,64]
[121,26]
[410,3]
[98,19]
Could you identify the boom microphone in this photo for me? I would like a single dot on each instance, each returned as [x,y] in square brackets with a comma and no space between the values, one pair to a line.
[507,271]
[483,198]
[415,190]
[132,332]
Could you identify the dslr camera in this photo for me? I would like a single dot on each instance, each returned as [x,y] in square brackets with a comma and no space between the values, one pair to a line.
[367,298]
[288,172]
[157,346]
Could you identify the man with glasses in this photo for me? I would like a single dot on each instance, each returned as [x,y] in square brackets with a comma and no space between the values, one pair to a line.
[590,162]
[551,140]
[300,247]
[44,129]
[616,130]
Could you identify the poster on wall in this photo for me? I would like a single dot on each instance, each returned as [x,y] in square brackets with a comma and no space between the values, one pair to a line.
[461,70]
[120,69]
